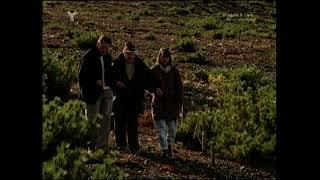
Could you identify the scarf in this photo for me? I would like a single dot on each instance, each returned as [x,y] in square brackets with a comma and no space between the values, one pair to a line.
[166,69]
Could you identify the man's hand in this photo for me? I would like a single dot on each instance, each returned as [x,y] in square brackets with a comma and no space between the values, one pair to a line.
[99,83]
[159,92]
[120,84]
[147,93]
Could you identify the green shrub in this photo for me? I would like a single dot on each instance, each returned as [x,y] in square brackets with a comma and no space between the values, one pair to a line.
[150,36]
[242,25]
[59,74]
[210,24]
[44,86]
[193,22]
[264,27]
[86,40]
[181,23]
[202,76]
[197,58]
[189,33]
[48,3]
[250,78]
[160,20]
[74,164]
[274,13]
[108,170]
[145,12]
[185,45]
[233,30]
[66,134]
[206,23]
[65,122]
[55,26]
[192,8]
[90,24]
[216,34]
[231,34]
[212,27]
[72,34]
[67,164]
[179,11]
[153,4]
[134,16]
[243,125]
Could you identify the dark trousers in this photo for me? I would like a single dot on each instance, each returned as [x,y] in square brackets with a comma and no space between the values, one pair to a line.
[126,124]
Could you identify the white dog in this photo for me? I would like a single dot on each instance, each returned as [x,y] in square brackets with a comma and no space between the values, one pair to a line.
[71,15]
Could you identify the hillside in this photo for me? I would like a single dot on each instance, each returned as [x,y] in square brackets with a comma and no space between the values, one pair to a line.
[213,43]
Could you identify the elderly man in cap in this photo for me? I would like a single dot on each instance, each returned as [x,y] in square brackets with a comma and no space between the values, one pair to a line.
[132,77]
[95,81]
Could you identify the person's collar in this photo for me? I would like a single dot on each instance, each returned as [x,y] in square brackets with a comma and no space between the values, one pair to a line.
[167,68]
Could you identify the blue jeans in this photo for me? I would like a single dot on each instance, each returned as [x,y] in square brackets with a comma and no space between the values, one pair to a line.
[104,107]
[166,130]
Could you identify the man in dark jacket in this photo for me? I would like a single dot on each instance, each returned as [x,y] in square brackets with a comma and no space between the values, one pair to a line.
[132,77]
[95,80]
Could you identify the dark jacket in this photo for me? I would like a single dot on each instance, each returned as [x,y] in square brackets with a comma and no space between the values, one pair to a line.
[90,71]
[169,105]
[133,93]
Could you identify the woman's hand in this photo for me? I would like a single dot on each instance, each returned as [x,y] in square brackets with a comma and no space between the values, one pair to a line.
[159,92]
[120,84]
